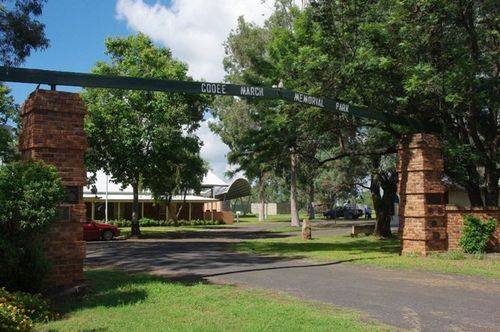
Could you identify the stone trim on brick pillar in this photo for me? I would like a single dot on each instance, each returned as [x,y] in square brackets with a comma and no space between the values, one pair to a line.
[52,131]
[422,212]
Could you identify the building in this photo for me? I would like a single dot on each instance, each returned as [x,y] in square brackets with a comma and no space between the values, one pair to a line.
[106,200]
[271,209]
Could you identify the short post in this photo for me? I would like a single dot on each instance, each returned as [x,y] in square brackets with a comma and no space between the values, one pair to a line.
[306,230]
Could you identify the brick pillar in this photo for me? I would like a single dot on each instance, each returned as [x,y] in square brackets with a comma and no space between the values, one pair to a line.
[52,131]
[422,212]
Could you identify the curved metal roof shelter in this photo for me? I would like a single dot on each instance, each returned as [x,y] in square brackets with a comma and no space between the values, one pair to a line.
[238,188]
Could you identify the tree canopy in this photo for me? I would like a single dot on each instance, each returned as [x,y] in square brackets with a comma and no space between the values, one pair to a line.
[144,138]
[435,61]
[20,31]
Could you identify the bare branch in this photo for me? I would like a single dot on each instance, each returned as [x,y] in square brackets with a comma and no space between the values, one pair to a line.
[378,152]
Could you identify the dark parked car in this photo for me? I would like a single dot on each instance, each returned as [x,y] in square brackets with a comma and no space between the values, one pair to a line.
[346,212]
[93,231]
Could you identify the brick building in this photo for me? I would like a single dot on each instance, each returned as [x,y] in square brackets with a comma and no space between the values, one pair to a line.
[106,200]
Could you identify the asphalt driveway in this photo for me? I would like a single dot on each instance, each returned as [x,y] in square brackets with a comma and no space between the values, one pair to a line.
[415,300]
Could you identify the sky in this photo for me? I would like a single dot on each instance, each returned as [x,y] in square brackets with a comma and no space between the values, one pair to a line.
[193,29]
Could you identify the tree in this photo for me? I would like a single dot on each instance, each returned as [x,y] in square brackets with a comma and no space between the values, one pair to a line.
[268,56]
[20,32]
[8,116]
[451,68]
[29,195]
[141,137]
[436,60]
[241,123]
[235,124]
[359,163]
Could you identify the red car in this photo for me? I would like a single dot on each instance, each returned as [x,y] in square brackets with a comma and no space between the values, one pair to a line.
[93,231]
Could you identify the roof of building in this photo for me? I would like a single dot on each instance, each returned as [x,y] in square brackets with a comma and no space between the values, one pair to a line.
[127,197]
[212,180]
[222,191]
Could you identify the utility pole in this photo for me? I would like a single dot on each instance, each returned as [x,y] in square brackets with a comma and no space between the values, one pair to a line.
[106,199]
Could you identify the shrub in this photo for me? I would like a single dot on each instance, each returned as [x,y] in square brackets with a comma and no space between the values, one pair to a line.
[475,234]
[18,311]
[24,265]
[146,222]
[120,223]
[29,195]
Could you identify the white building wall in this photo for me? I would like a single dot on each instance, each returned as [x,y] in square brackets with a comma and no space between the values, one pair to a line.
[271,209]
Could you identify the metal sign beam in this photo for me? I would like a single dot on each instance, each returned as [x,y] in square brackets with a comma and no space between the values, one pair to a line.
[38,76]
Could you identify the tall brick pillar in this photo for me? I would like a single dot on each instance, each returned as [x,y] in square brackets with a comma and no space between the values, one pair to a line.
[52,131]
[422,212]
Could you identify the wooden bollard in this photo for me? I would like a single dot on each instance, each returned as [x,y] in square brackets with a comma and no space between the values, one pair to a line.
[306,230]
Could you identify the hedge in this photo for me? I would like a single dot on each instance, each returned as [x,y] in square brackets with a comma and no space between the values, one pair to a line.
[146,222]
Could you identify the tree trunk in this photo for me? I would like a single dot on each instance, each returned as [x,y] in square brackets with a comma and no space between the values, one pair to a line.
[474,193]
[262,198]
[491,195]
[383,204]
[310,207]
[135,229]
[293,189]
[383,222]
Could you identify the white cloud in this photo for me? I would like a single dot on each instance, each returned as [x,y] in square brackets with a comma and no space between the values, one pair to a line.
[194,30]
[214,151]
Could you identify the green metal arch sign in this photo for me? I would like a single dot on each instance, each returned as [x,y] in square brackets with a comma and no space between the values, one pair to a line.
[53,78]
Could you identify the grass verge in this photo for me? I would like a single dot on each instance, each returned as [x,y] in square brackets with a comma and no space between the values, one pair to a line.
[372,251]
[140,302]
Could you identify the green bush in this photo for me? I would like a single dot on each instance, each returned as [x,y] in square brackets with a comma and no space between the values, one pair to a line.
[24,265]
[120,223]
[18,311]
[475,234]
[146,222]
[29,195]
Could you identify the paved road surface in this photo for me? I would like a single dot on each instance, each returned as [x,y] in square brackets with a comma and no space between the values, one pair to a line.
[416,300]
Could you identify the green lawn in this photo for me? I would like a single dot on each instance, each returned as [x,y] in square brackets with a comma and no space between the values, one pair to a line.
[170,232]
[140,302]
[373,251]
[250,220]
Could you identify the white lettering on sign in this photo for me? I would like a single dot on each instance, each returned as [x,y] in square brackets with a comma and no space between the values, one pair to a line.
[213,88]
[305,99]
[252,91]
[342,107]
